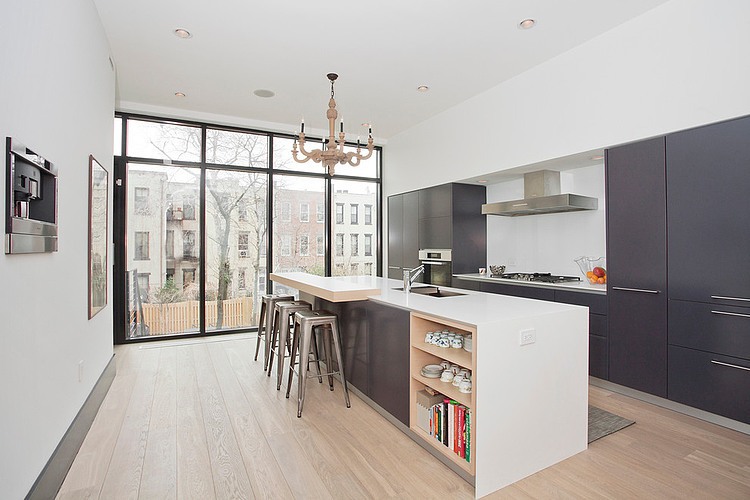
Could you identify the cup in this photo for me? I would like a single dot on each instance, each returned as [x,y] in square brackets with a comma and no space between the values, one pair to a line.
[444,342]
[457,343]
[445,364]
[457,379]
[455,369]
[428,338]
[465,386]
[482,270]
[447,376]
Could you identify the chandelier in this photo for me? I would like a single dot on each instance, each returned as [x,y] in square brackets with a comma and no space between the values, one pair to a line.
[332,151]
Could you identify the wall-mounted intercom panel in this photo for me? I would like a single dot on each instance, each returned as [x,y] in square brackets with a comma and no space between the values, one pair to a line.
[31,201]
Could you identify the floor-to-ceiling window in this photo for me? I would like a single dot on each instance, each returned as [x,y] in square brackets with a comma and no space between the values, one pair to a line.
[205,213]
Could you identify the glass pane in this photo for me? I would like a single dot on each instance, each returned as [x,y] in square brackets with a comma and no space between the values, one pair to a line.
[235,229]
[367,168]
[354,232]
[163,250]
[297,236]
[236,148]
[165,141]
[283,160]
[118,136]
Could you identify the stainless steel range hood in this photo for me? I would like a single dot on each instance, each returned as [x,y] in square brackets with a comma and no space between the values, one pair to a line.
[541,196]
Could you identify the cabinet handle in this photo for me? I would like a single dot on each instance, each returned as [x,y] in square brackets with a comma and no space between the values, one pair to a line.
[725,313]
[719,297]
[634,289]
[393,267]
[730,365]
[435,263]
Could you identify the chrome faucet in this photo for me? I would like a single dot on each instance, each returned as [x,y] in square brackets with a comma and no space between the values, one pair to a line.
[409,277]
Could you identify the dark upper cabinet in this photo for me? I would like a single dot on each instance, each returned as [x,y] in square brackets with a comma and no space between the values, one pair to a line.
[436,201]
[469,228]
[435,232]
[708,181]
[637,265]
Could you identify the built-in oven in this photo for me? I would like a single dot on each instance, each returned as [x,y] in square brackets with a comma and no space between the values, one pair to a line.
[438,267]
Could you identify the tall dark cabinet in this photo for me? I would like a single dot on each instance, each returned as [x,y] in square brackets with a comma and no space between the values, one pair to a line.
[708,188]
[448,216]
[403,233]
[637,265]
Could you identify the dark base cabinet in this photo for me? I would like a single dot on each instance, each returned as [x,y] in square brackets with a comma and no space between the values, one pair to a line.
[376,348]
[715,383]
[529,292]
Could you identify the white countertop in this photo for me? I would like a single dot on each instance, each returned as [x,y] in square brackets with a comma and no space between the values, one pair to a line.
[473,308]
[576,286]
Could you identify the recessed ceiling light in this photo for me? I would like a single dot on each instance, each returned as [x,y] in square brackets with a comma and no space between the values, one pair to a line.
[264,93]
[482,181]
[526,24]
[179,94]
[597,157]
[182,33]
[423,88]
[365,124]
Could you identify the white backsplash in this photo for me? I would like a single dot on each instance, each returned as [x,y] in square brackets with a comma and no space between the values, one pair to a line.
[548,242]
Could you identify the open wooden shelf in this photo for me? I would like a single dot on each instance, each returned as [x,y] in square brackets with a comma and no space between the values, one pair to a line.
[450,390]
[467,466]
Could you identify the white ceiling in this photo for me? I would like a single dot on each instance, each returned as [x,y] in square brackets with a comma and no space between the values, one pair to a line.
[382,51]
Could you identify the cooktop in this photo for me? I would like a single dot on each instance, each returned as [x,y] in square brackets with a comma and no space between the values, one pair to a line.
[539,277]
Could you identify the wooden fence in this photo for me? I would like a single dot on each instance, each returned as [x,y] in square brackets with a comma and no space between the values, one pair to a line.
[178,317]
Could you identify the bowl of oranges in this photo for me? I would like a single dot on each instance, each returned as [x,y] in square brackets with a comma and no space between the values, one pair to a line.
[593,268]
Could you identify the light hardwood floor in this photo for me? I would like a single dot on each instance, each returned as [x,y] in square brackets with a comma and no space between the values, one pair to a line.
[199,419]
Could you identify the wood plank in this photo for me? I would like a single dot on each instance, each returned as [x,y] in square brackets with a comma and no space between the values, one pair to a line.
[230,476]
[194,478]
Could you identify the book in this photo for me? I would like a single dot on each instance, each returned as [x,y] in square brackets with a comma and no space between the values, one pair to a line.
[468,435]
[444,422]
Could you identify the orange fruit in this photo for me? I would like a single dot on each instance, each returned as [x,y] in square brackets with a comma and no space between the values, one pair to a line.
[589,274]
[600,281]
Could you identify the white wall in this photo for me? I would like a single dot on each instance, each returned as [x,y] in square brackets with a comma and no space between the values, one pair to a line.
[57,97]
[679,65]
[549,242]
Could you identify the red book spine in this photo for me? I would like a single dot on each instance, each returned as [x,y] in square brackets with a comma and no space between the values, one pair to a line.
[461,430]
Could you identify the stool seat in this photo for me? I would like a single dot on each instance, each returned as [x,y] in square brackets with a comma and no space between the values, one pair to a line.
[307,324]
[280,334]
[265,323]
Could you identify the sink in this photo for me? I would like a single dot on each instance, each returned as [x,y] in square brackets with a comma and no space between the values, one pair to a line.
[432,291]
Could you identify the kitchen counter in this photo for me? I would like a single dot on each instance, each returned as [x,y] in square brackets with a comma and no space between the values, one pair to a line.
[576,286]
[528,364]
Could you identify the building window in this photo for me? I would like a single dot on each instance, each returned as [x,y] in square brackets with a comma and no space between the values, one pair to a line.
[188,244]
[188,207]
[142,205]
[143,286]
[188,277]
[368,215]
[141,245]
[169,244]
[262,280]
[355,244]
[354,269]
[339,244]
[339,269]
[286,245]
[242,211]
[321,245]
[339,213]
[304,212]
[304,245]
[368,245]
[320,213]
[286,211]
[241,278]
[243,245]
[368,268]
[355,213]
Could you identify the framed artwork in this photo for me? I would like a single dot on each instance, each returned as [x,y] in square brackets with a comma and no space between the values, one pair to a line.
[98,216]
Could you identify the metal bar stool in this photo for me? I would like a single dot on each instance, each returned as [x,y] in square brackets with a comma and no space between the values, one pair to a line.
[307,324]
[281,334]
[265,323]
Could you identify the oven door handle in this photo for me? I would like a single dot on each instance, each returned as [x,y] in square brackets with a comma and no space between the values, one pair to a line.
[435,263]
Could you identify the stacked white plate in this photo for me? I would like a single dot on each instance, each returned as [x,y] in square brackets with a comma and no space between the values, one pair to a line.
[432,371]
[467,343]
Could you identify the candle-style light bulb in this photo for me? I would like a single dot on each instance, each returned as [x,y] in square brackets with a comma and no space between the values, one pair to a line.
[341,129]
[302,126]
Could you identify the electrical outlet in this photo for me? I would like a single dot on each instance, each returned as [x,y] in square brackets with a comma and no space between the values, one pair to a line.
[528,336]
[80,371]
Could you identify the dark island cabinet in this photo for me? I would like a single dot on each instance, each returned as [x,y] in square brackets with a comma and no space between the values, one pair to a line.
[598,328]
[637,265]
[375,345]
[708,179]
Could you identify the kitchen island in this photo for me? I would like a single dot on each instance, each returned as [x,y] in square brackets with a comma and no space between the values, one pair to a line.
[528,362]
